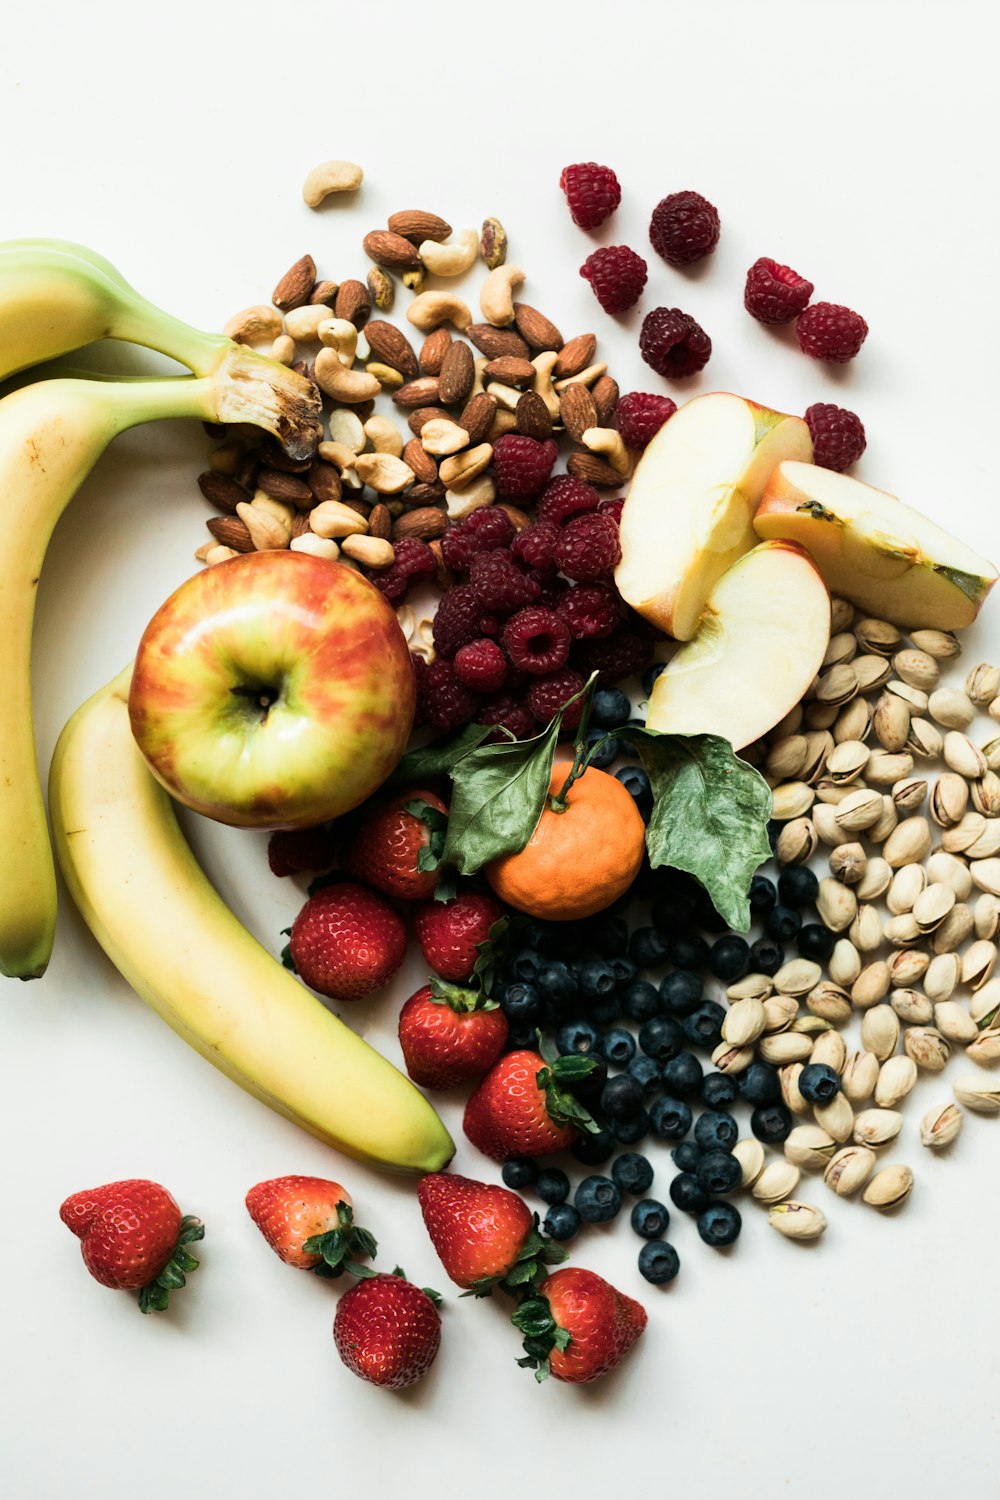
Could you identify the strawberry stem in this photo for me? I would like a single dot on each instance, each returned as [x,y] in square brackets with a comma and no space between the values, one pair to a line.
[339,1247]
[541,1332]
[155,1295]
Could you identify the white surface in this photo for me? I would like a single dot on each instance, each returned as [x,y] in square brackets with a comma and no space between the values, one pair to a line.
[835,138]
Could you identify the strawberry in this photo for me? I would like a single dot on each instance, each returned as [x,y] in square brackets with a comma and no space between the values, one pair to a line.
[577,1327]
[292,850]
[451,933]
[521,1107]
[387,1330]
[398,847]
[132,1237]
[347,941]
[485,1235]
[449,1034]
[309,1223]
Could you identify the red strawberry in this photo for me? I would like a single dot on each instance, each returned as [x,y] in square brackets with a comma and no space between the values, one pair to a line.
[520,1108]
[347,941]
[577,1327]
[387,1330]
[450,932]
[309,1223]
[449,1035]
[484,1234]
[398,846]
[133,1236]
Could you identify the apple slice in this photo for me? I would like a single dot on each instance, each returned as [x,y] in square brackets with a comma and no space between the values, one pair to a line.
[883,556]
[691,504]
[760,644]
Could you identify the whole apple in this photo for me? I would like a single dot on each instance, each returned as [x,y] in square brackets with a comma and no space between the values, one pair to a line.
[274,690]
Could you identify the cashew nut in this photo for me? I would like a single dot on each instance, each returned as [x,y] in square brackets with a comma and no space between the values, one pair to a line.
[462,468]
[339,334]
[342,456]
[544,363]
[496,295]
[267,533]
[316,546]
[385,474]
[255,324]
[588,377]
[331,177]
[430,309]
[341,384]
[470,497]
[439,436]
[346,431]
[609,444]
[372,551]
[282,351]
[503,421]
[384,436]
[281,512]
[479,364]
[504,395]
[453,258]
[331,519]
[201,553]
[304,323]
[364,349]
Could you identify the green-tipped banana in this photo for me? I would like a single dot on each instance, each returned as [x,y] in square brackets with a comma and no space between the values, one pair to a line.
[150,906]
[56,296]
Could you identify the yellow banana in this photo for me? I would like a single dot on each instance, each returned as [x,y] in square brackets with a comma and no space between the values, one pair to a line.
[151,908]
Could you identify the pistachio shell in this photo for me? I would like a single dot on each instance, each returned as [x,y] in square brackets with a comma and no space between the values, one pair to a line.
[877,1127]
[954,930]
[907,885]
[859,1077]
[791,1094]
[941,644]
[784,1047]
[895,1080]
[949,870]
[963,756]
[831,1001]
[849,1170]
[955,1023]
[907,966]
[889,1188]
[932,905]
[975,1092]
[778,1180]
[880,1031]
[744,1022]
[917,669]
[848,863]
[750,1154]
[797,977]
[940,1126]
[909,843]
[927,1047]
[875,881]
[809,1146]
[951,709]
[836,1117]
[797,1221]
[912,1007]
[983,684]
[831,1050]
[837,905]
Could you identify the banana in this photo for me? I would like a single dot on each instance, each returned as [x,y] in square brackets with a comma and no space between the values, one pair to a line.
[152,909]
[56,296]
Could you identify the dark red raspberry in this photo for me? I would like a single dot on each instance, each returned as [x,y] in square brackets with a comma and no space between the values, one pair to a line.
[535,546]
[588,548]
[592,192]
[830,332]
[775,293]
[508,712]
[413,561]
[553,590]
[615,656]
[447,702]
[684,227]
[499,585]
[640,415]
[481,665]
[838,436]
[419,666]
[590,609]
[617,276]
[457,620]
[547,695]
[522,465]
[612,508]
[293,849]
[537,640]
[484,530]
[673,344]
[564,497]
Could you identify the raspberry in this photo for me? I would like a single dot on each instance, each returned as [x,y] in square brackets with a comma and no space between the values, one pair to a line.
[484,531]
[535,546]
[481,665]
[499,586]
[419,666]
[522,465]
[547,695]
[614,656]
[830,332]
[590,609]
[564,497]
[684,227]
[640,415]
[613,509]
[553,589]
[537,640]
[508,712]
[617,276]
[447,702]
[588,548]
[838,435]
[775,293]
[456,621]
[592,192]
[413,560]
[673,344]
[293,849]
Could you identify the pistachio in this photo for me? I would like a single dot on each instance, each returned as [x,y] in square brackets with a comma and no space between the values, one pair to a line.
[824,820]
[859,810]
[953,930]
[797,977]
[866,930]
[932,906]
[960,838]
[871,985]
[909,793]
[779,1013]
[790,724]
[790,800]
[985,1004]
[782,1047]
[809,1146]
[830,1049]
[924,740]
[943,974]
[877,635]
[787,757]
[908,843]
[743,1023]
[895,1080]
[877,1127]
[901,931]
[917,669]
[778,1180]
[907,884]
[848,863]
[951,871]
[891,723]
[841,614]
[880,1031]
[907,966]
[859,1077]
[854,721]
[994,709]
[949,800]
[791,1093]
[955,1022]
[975,1093]
[729,1059]
[963,756]
[829,1002]
[985,1050]
[837,685]
[988,842]
[750,1154]
[884,825]
[986,875]
[885,768]
[986,915]
[837,905]
[847,760]
[875,881]
[849,1170]
[750,987]
[843,647]
[834,792]
[940,1126]
[983,684]
[797,1221]
[951,709]
[796,842]
[820,743]
[978,963]
[941,644]
[912,1007]
[986,794]
[927,1047]
[889,1188]
[991,750]
[835,1117]
[914,698]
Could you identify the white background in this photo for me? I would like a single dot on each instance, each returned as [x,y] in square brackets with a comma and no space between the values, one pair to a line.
[856,143]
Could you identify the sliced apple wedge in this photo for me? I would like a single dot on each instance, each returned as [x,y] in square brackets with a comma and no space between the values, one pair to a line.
[760,644]
[691,504]
[882,555]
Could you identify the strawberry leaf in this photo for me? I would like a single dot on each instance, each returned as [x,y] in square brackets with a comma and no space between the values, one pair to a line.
[337,1245]
[155,1296]
[541,1332]
[436,823]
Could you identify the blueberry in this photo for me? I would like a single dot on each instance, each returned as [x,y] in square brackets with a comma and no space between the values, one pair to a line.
[631,1131]
[636,783]
[650,675]
[594,1148]
[682,1074]
[647,948]
[719,1172]
[525,965]
[689,951]
[632,1173]
[520,1172]
[672,914]
[597,1200]
[659,1262]
[797,886]
[645,1071]
[760,1084]
[661,1037]
[670,1118]
[716,1130]
[729,958]
[706,915]
[552,1185]
[771,1123]
[818,1083]
[782,923]
[816,941]
[718,1090]
[703,1027]
[520,1003]
[763,895]
[577,1036]
[562,1221]
[681,992]
[766,956]
[626,971]
[609,751]
[609,935]
[589,1089]
[557,982]
[618,1046]
[542,936]
[640,1001]
[521,1035]
[650,1218]
[720,1225]
[621,1097]
[610,708]
[602,1012]
[597,979]
[686,1156]
[687,1193]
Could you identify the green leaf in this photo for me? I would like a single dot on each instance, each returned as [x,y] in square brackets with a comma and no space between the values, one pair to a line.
[447,884]
[498,794]
[336,1246]
[436,823]
[431,761]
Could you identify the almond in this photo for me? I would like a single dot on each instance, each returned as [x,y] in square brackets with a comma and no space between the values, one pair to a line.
[392,347]
[540,332]
[425,523]
[300,524]
[418,392]
[325,292]
[605,397]
[230,531]
[594,471]
[495,343]
[519,519]
[221,491]
[380,522]
[425,494]
[418,419]
[575,356]
[353,303]
[273,456]
[578,410]
[433,351]
[295,287]
[458,373]
[391,251]
[288,487]
[444,577]
[324,480]
[420,461]
[416,225]
[520,373]
[477,416]
[533,418]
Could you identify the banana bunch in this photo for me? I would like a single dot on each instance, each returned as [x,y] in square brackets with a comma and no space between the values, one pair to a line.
[53,298]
